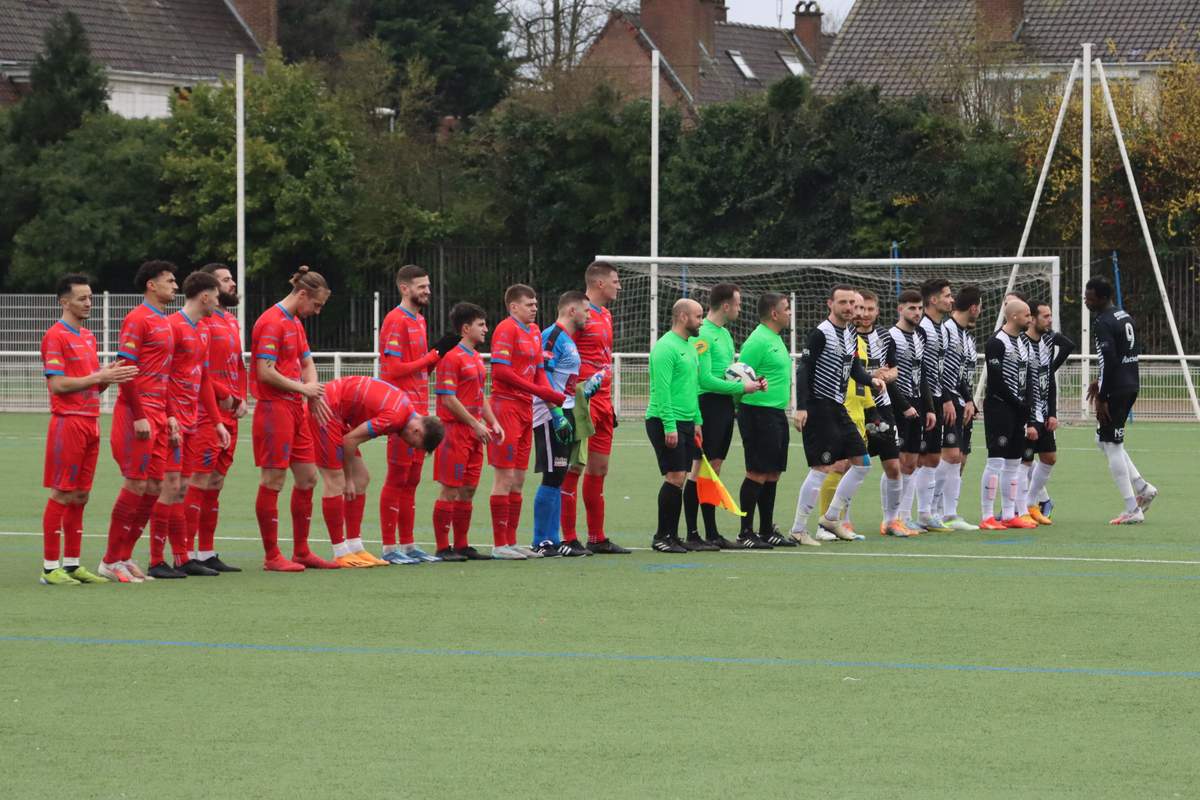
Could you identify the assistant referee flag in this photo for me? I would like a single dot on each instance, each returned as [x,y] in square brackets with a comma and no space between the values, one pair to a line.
[711,491]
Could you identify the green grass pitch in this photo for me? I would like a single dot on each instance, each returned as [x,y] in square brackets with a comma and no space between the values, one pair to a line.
[1057,663]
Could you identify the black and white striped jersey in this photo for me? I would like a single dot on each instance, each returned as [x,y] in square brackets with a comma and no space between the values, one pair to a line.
[958,364]
[829,360]
[877,345]
[1041,358]
[908,349]
[933,359]
[1008,372]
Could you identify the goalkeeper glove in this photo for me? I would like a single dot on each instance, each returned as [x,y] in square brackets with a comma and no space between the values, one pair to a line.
[562,428]
[593,384]
[445,344]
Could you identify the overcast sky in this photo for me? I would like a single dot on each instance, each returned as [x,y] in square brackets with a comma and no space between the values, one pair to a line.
[766,12]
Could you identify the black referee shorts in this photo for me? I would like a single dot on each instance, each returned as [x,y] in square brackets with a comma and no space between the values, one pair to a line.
[1045,443]
[551,455]
[1004,429]
[717,411]
[764,435]
[1119,407]
[829,434]
[678,458]
[885,445]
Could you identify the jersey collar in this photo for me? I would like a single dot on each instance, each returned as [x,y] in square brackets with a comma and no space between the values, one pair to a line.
[187,318]
[595,307]
[67,325]
[150,306]
[466,349]
[284,310]
[407,313]
[520,324]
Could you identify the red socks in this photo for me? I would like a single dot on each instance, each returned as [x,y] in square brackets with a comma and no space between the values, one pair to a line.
[141,516]
[209,511]
[389,509]
[499,504]
[514,516]
[462,523]
[52,520]
[178,533]
[334,511]
[266,508]
[302,508]
[443,518]
[593,503]
[406,516]
[123,513]
[160,529]
[193,507]
[566,519]
[354,516]
[72,527]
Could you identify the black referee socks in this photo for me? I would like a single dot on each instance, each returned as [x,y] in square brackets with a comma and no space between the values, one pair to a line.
[766,509]
[747,499]
[670,505]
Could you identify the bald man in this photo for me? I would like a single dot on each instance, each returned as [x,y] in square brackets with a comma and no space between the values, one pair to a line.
[1008,419]
[673,417]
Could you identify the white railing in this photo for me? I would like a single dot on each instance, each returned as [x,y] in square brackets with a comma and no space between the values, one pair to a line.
[1163,395]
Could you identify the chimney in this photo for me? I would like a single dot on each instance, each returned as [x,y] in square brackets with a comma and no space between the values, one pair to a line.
[807,27]
[261,17]
[998,20]
[676,26]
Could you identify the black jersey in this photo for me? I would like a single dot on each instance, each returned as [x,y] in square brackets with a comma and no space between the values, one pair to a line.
[1008,374]
[958,364]
[1041,367]
[829,361]
[1117,350]
[933,341]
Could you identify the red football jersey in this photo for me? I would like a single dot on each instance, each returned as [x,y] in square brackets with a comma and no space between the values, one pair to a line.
[460,373]
[71,352]
[358,399]
[187,368]
[226,369]
[403,338]
[519,346]
[146,341]
[595,343]
[278,336]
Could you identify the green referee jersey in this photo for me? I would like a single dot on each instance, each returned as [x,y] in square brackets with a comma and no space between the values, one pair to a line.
[674,382]
[714,347]
[765,351]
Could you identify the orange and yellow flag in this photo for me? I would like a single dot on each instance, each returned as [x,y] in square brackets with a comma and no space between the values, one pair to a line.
[712,492]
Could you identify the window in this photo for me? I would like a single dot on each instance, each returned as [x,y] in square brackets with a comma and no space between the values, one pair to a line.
[742,66]
[792,62]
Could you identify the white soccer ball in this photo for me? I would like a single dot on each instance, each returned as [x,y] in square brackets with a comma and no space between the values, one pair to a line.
[738,371]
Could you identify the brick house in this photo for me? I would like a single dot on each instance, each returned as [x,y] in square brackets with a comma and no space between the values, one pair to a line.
[151,49]
[908,48]
[705,58]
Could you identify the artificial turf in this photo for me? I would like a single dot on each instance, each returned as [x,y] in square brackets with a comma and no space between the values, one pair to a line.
[1056,662]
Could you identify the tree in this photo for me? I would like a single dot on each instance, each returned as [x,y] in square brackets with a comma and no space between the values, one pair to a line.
[65,84]
[462,41]
[320,29]
[550,36]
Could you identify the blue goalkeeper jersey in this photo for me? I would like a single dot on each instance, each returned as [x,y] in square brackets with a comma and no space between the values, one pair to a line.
[562,368]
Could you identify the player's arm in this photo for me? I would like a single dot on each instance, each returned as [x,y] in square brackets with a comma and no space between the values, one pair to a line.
[804,368]
[394,364]
[994,354]
[129,352]
[540,387]
[1106,343]
[710,383]
[662,368]
[1064,348]
[208,400]
[858,371]
[1052,396]
[103,377]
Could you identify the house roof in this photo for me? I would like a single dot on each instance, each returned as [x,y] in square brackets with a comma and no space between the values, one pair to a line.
[184,38]
[634,20]
[904,47]
[761,47]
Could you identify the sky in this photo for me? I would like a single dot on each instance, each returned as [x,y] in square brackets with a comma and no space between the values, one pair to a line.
[766,12]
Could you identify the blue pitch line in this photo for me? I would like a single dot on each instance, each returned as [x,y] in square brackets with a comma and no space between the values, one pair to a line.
[1098,672]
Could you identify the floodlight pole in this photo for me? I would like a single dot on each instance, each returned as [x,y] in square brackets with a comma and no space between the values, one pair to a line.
[1086,231]
[654,73]
[240,70]
[1137,202]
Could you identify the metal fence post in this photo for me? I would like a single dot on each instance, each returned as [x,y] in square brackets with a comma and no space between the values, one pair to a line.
[375,335]
[616,384]
[337,366]
[107,341]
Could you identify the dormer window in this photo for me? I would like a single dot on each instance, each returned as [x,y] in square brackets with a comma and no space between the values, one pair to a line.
[792,62]
[743,67]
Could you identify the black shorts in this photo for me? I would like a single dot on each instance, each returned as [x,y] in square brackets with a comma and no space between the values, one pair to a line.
[718,413]
[1004,429]
[966,437]
[931,440]
[952,435]
[1119,407]
[678,458]
[1045,443]
[911,432]
[764,435]
[885,445]
[551,455]
[830,435]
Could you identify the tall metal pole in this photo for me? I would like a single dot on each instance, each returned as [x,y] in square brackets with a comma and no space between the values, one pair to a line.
[241,192]
[654,70]
[1085,332]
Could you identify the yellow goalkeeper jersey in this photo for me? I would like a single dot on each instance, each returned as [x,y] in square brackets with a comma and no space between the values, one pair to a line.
[860,398]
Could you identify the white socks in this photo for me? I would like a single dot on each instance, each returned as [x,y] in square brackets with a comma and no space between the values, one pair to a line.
[1135,478]
[846,489]
[1037,483]
[807,501]
[908,487]
[1010,484]
[950,476]
[890,490]
[924,477]
[989,485]
[1119,464]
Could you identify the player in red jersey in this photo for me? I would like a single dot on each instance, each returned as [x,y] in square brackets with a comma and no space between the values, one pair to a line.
[205,458]
[188,389]
[283,379]
[518,374]
[470,424]
[595,343]
[143,427]
[74,379]
[404,361]
[362,408]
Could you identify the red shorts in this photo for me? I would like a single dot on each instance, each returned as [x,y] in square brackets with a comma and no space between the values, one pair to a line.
[176,462]
[603,419]
[281,435]
[327,442]
[203,453]
[516,419]
[72,447]
[402,454]
[139,459]
[458,461]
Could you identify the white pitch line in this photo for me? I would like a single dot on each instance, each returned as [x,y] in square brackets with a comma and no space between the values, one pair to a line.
[799,552]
